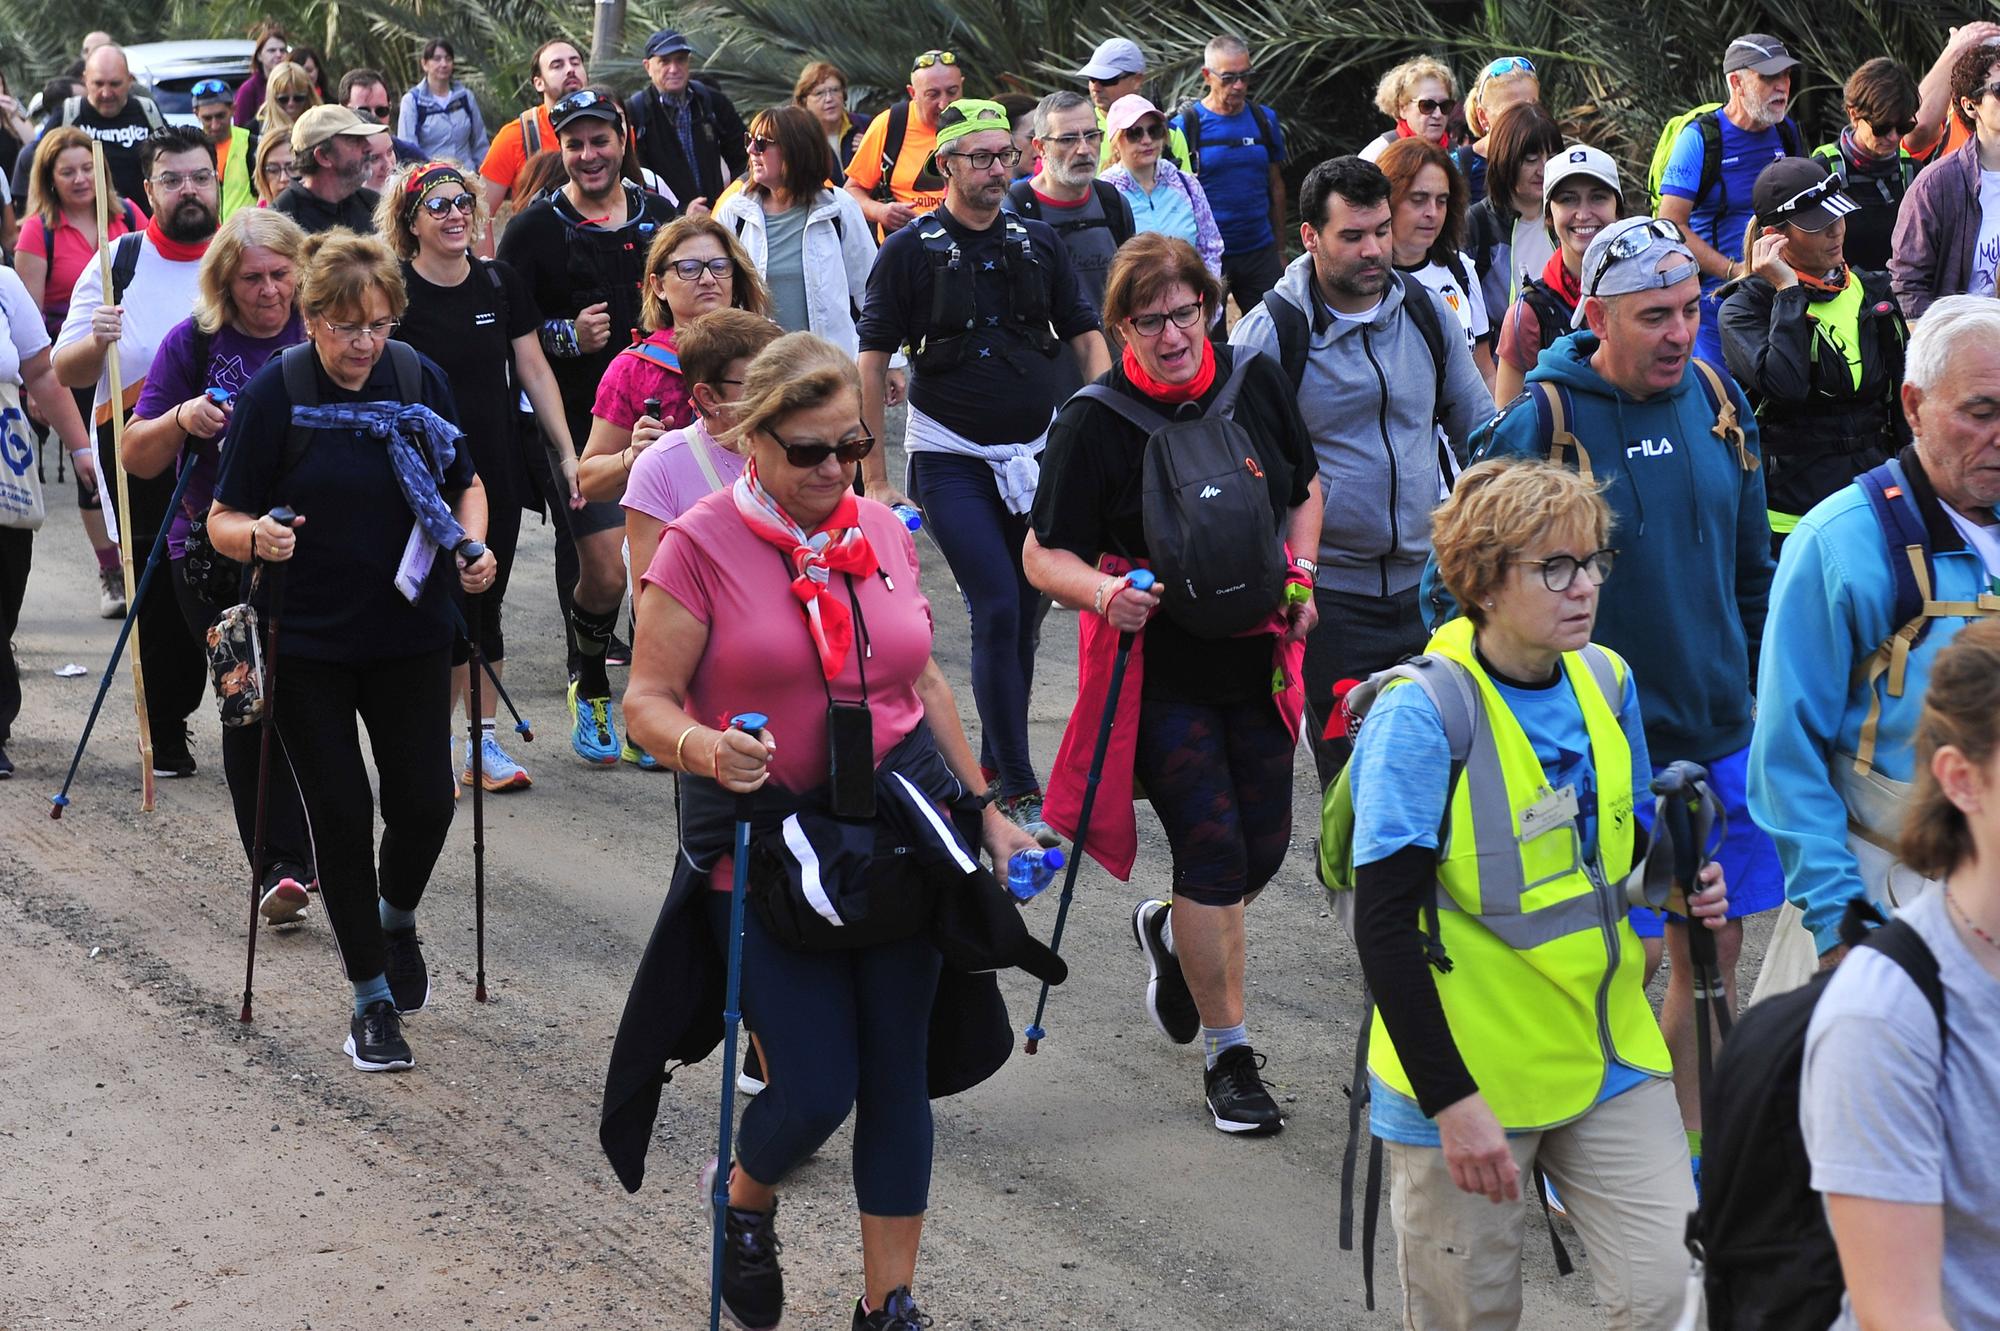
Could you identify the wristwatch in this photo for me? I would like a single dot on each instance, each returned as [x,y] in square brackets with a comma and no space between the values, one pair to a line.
[1311,569]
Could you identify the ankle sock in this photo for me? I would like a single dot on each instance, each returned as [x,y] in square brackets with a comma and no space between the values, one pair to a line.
[1694,1143]
[371,991]
[1215,1039]
[108,560]
[593,640]
[393,918]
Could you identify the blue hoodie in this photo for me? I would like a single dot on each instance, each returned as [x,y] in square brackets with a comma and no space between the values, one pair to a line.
[1685,602]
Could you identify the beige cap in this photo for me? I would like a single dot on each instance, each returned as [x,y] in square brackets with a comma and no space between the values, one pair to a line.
[321,123]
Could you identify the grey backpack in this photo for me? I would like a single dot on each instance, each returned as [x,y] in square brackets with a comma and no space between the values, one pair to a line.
[1210,526]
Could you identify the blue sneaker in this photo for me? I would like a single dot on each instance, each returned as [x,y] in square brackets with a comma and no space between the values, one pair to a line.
[591,732]
[497,771]
[639,758]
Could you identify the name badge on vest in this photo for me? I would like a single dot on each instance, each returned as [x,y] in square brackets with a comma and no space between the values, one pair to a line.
[1552,810]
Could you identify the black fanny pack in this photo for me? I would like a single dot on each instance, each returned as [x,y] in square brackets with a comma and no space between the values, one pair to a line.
[851,899]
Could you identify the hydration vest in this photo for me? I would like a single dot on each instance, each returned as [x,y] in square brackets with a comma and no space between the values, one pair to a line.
[956,326]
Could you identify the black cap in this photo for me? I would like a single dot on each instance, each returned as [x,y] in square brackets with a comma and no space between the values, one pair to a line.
[1797,191]
[585,102]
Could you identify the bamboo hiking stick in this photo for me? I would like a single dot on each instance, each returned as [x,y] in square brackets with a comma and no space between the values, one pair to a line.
[125,534]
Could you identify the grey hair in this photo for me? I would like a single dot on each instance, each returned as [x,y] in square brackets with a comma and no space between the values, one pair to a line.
[1054,105]
[1955,319]
[1223,44]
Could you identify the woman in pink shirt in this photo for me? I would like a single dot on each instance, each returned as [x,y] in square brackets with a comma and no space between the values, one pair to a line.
[789,595]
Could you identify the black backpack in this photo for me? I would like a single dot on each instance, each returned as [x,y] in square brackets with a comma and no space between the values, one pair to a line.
[1190,126]
[1118,219]
[1762,1231]
[1204,493]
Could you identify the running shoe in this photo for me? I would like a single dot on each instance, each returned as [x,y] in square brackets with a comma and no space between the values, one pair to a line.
[618,653]
[6,764]
[638,757]
[375,1039]
[111,593]
[497,771]
[284,900]
[899,1312]
[1168,1000]
[1238,1100]
[591,732]
[1025,812]
[409,979]
[753,1284]
[172,755]
[750,1078]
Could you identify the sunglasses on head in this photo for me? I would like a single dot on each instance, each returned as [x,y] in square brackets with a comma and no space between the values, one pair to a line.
[807,456]
[930,58]
[1508,64]
[1631,244]
[580,99]
[209,88]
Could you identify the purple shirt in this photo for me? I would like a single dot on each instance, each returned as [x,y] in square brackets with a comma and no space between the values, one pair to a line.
[174,378]
[667,479]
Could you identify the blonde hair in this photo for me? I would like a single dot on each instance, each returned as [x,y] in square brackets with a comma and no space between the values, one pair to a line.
[285,78]
[1497,511]
[267,145]
[396,213]
[1961,708]
[1475,97]
[337,270]
[746,290]
[1397,84]
[798,372]
[44,199]
[215,302]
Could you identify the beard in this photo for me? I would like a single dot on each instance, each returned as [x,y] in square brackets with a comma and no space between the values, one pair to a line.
[191,220]
[1073,172]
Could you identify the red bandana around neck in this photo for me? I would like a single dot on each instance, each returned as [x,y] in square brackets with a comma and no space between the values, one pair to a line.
[1171,394]
[837,545]
[177,250]
[1561,280]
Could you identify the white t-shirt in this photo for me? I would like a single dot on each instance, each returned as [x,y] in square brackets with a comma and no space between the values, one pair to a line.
[25,332]
[1986,256]
[1985,541]
[1468,305]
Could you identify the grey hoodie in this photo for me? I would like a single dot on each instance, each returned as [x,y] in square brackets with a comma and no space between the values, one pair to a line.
[1367,402]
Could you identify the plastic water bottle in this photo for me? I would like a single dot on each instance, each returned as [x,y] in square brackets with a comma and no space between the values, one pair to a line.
[909,516]
[1029,871]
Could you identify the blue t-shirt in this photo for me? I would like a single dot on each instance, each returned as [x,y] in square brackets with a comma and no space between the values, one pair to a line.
[1236,175]
[1720,218]
[1166,210]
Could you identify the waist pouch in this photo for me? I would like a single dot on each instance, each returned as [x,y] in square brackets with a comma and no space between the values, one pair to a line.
[840,885]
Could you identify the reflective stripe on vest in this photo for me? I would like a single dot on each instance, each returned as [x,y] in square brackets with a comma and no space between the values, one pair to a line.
[1544,989]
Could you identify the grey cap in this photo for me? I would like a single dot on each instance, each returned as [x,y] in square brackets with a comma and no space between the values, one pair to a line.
[1759,52]
[1620,262]
[1114,60]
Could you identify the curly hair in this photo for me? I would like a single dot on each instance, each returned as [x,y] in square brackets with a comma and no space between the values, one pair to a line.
[1398,83]
[1969,78]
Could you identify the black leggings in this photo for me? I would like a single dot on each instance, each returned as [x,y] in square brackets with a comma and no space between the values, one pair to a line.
[175,660]
[496,469]
[17,554]
[406,705]
[1220,779]
[285,836]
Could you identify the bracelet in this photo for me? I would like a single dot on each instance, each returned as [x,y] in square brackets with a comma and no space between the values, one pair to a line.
[716,767]
[253,542]
[680,744]
[1097,597]
[177,419]
[626,456]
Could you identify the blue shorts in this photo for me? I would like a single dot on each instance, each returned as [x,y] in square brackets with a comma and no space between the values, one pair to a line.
[1748,857]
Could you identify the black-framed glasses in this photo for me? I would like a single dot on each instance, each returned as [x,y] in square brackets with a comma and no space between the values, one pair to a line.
[292,98]
[930,58]
[375,113]
[983,161]
[1093,138]
[1229,78]
[1631,244]
[208,88]
[1508,64]
[1428,106]
[437,205]
[1559,571]
[690,270]
[1152,325]
[807,456]
[757,143]
[1900,128]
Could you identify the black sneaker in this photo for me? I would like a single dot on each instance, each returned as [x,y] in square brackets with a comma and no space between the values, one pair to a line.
[899,1312]
[753,1285]
[172,757]
[1168,1001]
[619,653]
[284,900]
[1237,1097]
[409,980]
[6,764]
[375,1039]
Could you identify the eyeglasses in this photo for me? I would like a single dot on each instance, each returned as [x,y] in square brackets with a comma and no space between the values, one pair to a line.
[1559,571]
[1229,78]
[1900,128]
[828,90]
[374,113]
[208,88]
[292,98]
[277,170]
[929,58]
[437,205]
[983,161]
[173,182]
[1064,142]
[1508,64]
[356,334]
[1147,131]
[1152,325]
[690,270]
[1428,107]
[757,143]
[807,456]
[1631,244]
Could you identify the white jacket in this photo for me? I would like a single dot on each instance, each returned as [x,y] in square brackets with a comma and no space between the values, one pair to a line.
[836,259]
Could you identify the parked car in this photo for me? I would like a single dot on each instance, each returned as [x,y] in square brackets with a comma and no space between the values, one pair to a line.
[171,69]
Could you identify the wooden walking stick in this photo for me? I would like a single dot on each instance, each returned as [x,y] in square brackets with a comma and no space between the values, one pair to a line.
[115,380]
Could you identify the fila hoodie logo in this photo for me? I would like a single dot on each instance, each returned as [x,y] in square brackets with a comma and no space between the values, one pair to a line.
[1651,448]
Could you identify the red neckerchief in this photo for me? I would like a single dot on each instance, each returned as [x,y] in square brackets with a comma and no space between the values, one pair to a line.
[176,250]
[837,545]
[1560,280]
[1403,131]
[1172,394]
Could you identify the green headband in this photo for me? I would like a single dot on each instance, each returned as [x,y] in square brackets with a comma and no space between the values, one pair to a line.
[977,117]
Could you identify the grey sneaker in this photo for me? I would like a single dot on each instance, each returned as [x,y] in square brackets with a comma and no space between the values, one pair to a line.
[111,593]
[1025,812]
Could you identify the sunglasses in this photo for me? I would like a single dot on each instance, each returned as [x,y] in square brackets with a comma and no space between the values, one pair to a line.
[1147,131]
[437,205]
[1900,128]
[930,58]
[757,143]
[1559,571]
[292,98]
[1631,244]
[209,88]
[1152,325]
[582,99]
[1229,78]
[807,456]
[1508,64]
[1427,107]
[690,270]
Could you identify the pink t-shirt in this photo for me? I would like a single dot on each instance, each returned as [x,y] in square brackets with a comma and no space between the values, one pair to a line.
[631,379]
[72,253]
[759,657]
[667,479]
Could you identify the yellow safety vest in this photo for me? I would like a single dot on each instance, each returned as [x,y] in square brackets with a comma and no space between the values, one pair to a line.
[1545,987]
[237,189]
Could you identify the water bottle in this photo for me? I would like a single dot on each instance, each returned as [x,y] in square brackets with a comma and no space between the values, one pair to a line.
[909,516]
[1029,871]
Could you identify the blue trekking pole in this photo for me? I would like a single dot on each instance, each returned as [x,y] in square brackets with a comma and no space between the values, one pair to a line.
[1138,579]
[60,800]
[753,722]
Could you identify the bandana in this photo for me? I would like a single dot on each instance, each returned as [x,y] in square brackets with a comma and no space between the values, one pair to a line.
[837,545]
[180,251]
[1171,394]
[1561,280]
[425,179]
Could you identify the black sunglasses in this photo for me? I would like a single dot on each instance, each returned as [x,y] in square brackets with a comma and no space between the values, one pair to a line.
[807,456]
[437,205]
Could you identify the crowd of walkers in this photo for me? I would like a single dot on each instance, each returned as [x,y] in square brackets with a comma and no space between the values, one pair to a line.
[1655,518]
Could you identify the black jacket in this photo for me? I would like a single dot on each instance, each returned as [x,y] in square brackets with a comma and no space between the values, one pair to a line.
[718,141]
[1817,429]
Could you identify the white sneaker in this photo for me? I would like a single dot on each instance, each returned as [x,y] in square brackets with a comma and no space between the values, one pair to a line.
[111,593]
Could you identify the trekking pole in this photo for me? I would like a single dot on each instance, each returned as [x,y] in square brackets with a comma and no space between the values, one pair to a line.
[474,742]
[1138,579]
[1688,806]
[521,726]
[753,722]
[60,800]
[267,726]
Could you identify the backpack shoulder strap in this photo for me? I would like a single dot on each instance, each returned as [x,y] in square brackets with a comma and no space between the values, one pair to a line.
[1127,406]
[72,107]
[1022,195]
[654,354]
[151,110]
[1788,134]
[295,363]
[409,369]
[1191,132]
[1294,332]
[892,148]
[1417,299]
[1727,427]
[124,263]
[1552,413]
[1907,948]
[531,133]
[1708,124]
[1117,212]
[1225,401]
[1266,130]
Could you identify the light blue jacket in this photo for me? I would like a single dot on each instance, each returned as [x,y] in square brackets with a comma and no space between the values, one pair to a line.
[1832,604]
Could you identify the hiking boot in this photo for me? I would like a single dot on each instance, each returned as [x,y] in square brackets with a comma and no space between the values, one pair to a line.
[1168,1001]
[284,900]
[750,1079]
[753,1284]
[1237,1097]
[375,1039]
[409,979]
[497,771]
[111,593]
[1025,812]
[591,732]
[899,1312]
[638,757]
[172,756]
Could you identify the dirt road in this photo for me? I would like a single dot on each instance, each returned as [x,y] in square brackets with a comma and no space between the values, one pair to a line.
[163,1167]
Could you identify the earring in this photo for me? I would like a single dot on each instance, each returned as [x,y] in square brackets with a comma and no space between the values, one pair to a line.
[1489,603]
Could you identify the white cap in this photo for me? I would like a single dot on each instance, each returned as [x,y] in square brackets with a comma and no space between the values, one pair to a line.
[1578,159]
[1114,60]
